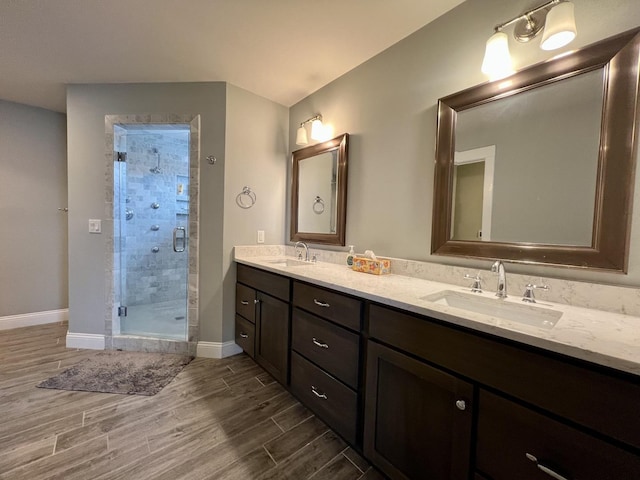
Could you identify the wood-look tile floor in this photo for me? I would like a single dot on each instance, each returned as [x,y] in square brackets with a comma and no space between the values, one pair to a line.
[218,419]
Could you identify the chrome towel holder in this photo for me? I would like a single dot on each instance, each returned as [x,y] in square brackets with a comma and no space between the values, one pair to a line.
[246,198]
[318,205]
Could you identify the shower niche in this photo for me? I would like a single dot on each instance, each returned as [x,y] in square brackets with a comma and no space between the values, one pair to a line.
[151,230]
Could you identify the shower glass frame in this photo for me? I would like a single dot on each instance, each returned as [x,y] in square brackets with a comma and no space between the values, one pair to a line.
[114,339]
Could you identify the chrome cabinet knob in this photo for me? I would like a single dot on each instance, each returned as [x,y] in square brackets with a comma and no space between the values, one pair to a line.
[461,404]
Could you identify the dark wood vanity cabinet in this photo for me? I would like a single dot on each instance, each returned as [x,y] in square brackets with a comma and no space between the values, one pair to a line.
[325,358]
[425,399]
[272,336]
[536,415]
[264,297]
[418,419]
[517,442]
[246,318]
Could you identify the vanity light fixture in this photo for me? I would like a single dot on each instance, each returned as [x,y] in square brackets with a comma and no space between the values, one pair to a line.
[555,17]
[317,130]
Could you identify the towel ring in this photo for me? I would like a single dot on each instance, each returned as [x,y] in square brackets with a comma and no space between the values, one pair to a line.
[318,205]
[247,202]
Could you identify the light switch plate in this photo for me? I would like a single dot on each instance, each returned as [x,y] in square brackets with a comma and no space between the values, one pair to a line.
[95,225]
[260,236]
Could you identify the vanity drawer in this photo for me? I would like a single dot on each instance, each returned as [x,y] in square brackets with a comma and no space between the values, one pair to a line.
[335,403]
[327,304]
[507,432]
[245,302]
[333,348]
[566,387]
[275,285]
[245,335]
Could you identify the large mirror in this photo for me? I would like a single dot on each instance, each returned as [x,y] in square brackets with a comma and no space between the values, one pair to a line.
[319,192]
[539,167]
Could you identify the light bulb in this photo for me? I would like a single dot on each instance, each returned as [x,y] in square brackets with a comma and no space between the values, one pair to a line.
[560,27]
[497,60]
[317,130]
[301,136]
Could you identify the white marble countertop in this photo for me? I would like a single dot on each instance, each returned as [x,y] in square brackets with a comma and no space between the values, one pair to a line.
[604,338]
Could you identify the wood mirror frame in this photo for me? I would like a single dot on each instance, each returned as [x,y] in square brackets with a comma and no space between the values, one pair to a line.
[618,56]
[339,144]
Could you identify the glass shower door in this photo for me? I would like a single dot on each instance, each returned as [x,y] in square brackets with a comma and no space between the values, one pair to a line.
[153,207]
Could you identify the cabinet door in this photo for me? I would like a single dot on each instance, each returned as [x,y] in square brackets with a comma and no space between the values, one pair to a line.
[272,336]
[516,442]
[418,419]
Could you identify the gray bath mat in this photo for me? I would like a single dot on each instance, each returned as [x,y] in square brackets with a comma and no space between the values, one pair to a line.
[129,373]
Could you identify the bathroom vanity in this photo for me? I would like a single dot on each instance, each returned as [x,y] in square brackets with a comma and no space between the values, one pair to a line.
[426,390]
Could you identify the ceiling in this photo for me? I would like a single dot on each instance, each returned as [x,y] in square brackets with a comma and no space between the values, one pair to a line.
[283,50]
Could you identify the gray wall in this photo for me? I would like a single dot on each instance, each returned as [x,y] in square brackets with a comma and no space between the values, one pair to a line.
[33,233]
[388,105]
[257,157]
[87,106]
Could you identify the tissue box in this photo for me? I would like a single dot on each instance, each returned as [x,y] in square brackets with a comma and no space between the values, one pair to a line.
[380,266]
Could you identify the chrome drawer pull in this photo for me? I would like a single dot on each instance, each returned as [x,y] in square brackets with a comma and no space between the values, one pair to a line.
[317,394]
[546,470]
[256,301]
[244,302]
[244,335]
[461,404]
[319,344]
[321,304]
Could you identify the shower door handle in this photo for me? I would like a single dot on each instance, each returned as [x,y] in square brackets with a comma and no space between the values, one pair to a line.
[183,238]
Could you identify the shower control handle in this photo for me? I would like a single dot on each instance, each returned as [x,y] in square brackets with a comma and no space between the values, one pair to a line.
[183,238]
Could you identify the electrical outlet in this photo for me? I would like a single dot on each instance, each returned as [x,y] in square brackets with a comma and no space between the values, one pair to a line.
[260,236]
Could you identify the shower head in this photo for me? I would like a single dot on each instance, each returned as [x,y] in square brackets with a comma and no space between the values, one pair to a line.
[155,170]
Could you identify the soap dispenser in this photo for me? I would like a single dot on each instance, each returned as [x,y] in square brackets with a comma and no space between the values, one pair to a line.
[350,256]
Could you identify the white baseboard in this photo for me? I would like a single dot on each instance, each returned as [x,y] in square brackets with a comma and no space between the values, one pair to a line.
[89,341]
[36,318]
[217,349]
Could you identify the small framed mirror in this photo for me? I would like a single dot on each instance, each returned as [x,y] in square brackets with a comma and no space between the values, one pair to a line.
[319,192]
[539,167]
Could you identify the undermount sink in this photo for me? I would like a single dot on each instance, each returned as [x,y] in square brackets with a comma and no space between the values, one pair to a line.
[290,262]
[514,312]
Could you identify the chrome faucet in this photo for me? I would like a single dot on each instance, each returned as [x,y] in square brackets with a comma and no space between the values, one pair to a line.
[501,289]
[306,251]
[528,295]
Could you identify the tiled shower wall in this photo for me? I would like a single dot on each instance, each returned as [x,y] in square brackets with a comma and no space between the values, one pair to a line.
[148,276]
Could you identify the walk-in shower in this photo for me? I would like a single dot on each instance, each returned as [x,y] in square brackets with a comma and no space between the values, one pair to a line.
[151,229]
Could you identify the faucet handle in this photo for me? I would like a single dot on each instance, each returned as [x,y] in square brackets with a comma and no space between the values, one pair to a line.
[476,286]
[528,295]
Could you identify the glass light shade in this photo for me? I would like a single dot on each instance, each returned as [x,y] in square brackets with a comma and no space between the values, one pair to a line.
[560,27]
[497,60]
[301,136]
[317,130]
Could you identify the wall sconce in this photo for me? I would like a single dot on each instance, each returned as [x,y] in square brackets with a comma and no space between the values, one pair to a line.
[317,130]
[557,19]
